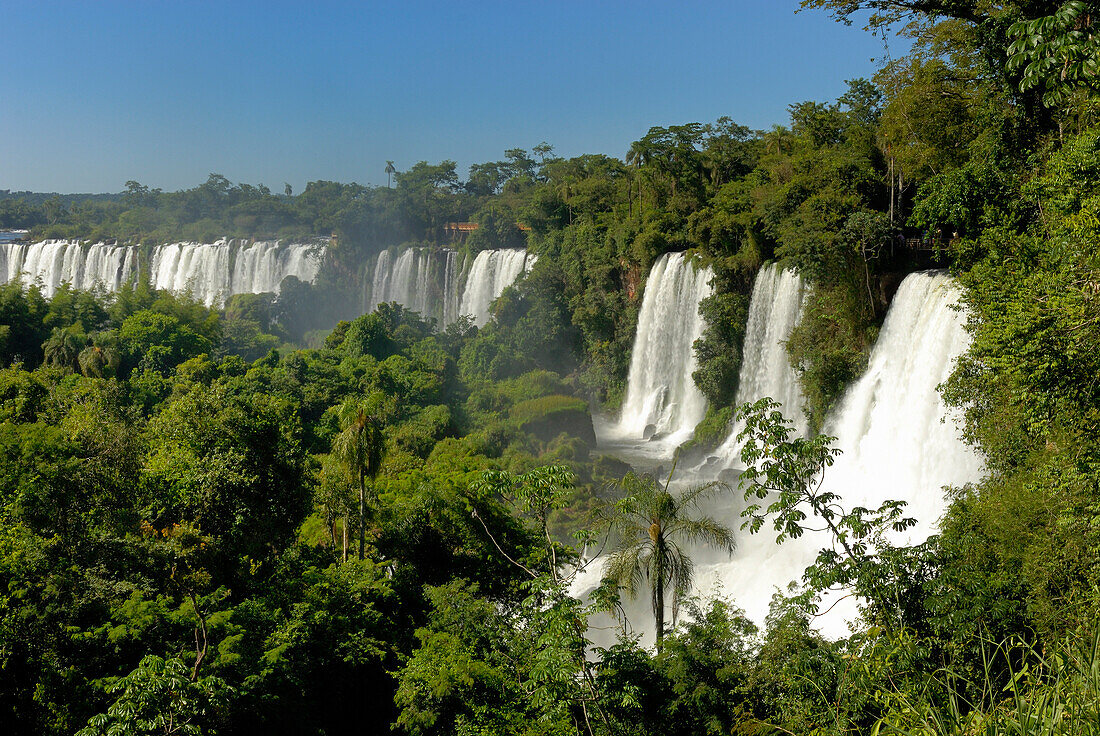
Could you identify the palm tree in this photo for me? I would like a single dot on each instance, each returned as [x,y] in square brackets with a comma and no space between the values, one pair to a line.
[63,347]
[361,446]
[652,527]
[335,496]
[100,359]
[639,156]
[390,171]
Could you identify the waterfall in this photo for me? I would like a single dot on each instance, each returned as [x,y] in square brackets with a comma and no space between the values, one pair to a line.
[893,423]
[420,279]
[53,262]
[491,273]
[661,397]
[262,266]
[379,288]
[774,310]
[211,271]
[201,268]
[431,281]
[898,439]
[403,280]
[452,276]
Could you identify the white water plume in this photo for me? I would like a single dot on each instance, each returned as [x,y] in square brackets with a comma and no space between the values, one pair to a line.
[661,399]
[491,273]
[211,271]
[899,442]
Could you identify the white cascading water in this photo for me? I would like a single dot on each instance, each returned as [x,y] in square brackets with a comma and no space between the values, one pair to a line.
[775,308]
[491,273]
[452,277]
[898,439]
[201,268]
[403,280]
[661,396]
[379,288]
[262,266]
[420,279]
[431,281]
[212,271]
[901,430]
[53,262]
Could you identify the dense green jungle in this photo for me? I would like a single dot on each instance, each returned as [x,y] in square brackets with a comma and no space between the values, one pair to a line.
[283,516]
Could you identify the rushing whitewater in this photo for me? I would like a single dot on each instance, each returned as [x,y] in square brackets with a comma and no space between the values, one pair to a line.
[214,271]
[211,271]
[491,273]
[774,310]
[893,423]
[419,279]
[53,262]
[661,396]
[898,439]
[431,281]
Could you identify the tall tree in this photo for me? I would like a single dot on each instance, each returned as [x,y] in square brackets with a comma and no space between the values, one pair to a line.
[652,527]
[361,447]
[390,171]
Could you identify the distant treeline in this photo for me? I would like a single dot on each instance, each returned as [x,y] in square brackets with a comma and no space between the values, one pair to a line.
[38,198]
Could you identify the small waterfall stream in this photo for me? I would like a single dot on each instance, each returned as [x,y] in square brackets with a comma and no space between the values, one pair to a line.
[774,310]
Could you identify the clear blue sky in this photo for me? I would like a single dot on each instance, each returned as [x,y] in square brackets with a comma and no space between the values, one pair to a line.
[95,93]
